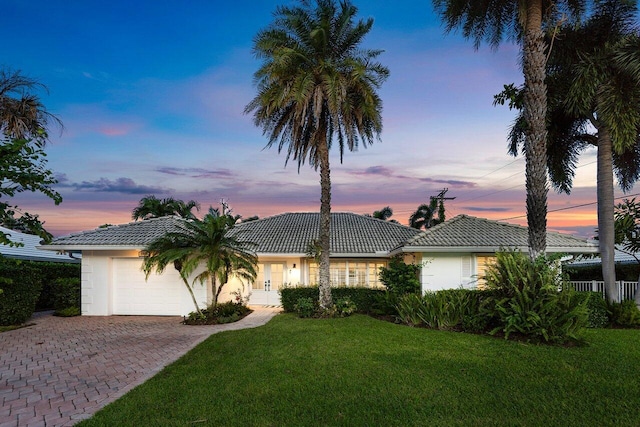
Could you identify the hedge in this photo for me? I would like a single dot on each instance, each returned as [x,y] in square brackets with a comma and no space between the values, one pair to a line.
[20,282]
[364,298]
[50,272]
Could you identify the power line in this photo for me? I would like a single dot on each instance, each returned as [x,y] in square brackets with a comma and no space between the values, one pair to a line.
[571,207]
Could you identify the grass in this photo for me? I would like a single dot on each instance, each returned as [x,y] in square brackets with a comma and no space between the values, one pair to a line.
[360,371]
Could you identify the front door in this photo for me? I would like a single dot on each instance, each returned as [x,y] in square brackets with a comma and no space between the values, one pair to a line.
[269,281]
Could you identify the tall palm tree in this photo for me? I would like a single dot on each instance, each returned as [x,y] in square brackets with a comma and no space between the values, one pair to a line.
[152,207]
[209,243]
[522,20]
[316,83]
[383,214]
[22,114]
[593,86]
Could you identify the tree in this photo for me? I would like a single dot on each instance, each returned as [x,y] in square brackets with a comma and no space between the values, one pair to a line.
[22,114]
[24,123]
[383,214]
[521,20]
[627,231]
[152,207]
[591,87]
[425,215]
[206,243]
[315,84]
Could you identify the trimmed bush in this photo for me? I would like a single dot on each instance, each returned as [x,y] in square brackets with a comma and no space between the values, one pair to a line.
[226,312]
[345,307]
[21,284]
[66,294]
[364,298]
[50,272]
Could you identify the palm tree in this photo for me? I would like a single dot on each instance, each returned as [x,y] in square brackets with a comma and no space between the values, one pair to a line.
[424,216]
[208,243]
[383,214]
[593,86]
[316,83]
[521,20]
[152,207]
[22,114]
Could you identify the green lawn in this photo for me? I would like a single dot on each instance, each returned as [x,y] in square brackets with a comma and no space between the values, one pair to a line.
[360,371]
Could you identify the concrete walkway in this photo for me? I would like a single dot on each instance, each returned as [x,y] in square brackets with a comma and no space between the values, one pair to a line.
[62,370]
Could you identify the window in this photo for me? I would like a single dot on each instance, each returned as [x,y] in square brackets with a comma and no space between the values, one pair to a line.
[350,273]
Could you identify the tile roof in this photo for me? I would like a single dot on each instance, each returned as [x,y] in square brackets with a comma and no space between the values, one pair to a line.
[350,233]
[287,233]
[133,234]
[470,233]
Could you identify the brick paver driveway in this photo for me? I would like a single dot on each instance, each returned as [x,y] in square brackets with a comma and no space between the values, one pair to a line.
[62,370]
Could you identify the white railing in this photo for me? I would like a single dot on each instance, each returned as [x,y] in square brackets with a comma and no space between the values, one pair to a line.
[627,289]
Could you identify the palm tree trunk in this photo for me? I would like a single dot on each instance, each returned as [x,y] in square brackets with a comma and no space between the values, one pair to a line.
[606,233]
[535,113]
[193,297]
[325,225]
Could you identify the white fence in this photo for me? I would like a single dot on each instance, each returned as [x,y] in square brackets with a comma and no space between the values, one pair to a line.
[626,289]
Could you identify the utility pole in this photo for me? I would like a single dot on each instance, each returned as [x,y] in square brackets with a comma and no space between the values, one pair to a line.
[441,198]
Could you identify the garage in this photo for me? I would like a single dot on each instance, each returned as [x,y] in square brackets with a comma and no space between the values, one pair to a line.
[133,295]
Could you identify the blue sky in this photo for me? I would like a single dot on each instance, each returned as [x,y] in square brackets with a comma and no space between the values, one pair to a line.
[152,95]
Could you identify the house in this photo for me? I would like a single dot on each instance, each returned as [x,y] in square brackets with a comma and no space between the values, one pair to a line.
[453,254]
[26,248]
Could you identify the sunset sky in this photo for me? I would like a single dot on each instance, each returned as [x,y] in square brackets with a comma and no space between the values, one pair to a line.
[152,95]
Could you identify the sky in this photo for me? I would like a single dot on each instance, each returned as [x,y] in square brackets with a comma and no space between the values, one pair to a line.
[152,94]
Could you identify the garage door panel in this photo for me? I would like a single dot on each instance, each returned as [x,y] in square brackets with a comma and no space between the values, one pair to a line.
[133,295]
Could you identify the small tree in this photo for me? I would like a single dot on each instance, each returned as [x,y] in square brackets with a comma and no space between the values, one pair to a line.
[627,232]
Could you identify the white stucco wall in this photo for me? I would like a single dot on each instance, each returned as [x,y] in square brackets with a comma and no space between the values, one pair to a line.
[448,271]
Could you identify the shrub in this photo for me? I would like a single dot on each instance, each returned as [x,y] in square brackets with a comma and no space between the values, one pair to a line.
[599,314]
[290,296]
[385,304]
[21,284]
[364,298]
[409,308]
[68,312]
[66,293]
[306,307]
[527,300]
[50,272]
[625,314]
[400,278]
[345,307]
[226,312]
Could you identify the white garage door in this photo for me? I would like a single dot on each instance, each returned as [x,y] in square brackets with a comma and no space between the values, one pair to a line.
[133,295]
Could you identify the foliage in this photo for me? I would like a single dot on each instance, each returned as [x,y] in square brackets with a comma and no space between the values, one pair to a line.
[152,207]
[365,299]
[385,304]
[49,273]
[625,314]
[68,312]
[626,272]
[212,243]
[306,307]
[528,302]
[316,84]
[412,377]
[66,293]
[23,167]
[599,313]
[226,312]
[400,278]
[627,225]
[21,284]
[345,307]
[424,216]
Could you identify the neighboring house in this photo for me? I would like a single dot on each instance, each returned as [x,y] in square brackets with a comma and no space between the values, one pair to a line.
[27,248]
[455,253]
